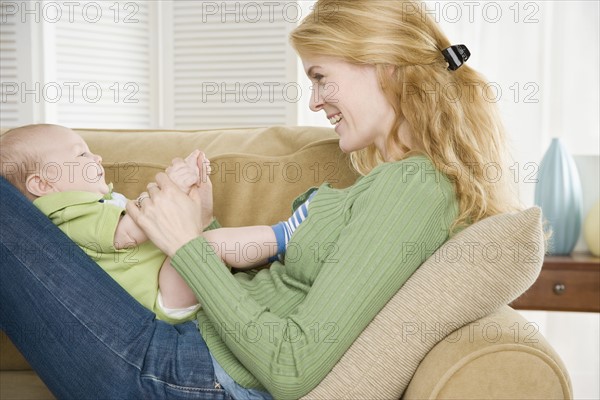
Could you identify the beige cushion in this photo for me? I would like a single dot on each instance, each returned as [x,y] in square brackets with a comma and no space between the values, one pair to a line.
[482,268]
[256,173]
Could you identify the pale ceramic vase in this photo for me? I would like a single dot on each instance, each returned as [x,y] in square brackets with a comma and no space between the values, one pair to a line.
[558,193]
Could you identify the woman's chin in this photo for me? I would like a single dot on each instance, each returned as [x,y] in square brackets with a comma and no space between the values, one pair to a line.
[344,148]
[347,146]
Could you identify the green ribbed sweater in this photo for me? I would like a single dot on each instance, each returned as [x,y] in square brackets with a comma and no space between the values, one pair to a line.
[284,328]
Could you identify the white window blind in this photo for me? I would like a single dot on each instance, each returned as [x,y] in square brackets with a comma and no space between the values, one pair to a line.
[103,66]
[147,64]
[15,67]
[9,113]
[79,64]
[231,64]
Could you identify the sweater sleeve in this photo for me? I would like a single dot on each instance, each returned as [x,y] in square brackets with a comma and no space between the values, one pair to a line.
[399,217]
[214,224]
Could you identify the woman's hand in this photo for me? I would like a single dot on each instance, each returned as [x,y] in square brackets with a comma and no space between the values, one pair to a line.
[205,191]
[169,217]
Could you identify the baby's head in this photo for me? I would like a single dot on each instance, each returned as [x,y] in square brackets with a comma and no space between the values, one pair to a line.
[43,159]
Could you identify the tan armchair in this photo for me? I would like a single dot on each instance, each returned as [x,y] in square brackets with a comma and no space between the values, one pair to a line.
[458,340]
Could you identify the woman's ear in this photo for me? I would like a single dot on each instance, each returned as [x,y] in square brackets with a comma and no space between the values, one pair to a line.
[38,186]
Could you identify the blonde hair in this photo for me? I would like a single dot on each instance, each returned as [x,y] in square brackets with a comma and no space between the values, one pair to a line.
[19,157]
[451,118]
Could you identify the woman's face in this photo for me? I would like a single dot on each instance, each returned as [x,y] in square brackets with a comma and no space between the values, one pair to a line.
[352,100]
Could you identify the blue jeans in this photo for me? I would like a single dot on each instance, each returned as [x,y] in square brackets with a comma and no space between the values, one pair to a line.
[84,335]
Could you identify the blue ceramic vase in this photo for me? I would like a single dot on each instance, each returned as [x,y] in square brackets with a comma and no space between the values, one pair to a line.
[558,193]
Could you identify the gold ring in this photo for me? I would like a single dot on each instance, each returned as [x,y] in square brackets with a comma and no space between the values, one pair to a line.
[139,200]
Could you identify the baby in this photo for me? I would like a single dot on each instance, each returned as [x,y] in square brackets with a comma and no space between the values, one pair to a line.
[53,166]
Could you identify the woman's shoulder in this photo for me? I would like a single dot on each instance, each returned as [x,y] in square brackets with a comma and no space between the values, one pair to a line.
[409,164]
[416,168]
[414,177]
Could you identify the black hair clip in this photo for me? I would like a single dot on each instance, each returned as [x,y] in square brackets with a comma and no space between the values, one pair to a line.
[456,56]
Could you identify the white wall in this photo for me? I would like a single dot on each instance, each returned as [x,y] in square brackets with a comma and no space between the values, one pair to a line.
[574,336]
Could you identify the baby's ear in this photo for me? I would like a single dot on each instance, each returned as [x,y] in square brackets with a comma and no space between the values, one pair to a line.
[38,186]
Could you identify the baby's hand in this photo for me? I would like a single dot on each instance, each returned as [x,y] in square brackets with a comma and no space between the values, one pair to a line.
[185,172]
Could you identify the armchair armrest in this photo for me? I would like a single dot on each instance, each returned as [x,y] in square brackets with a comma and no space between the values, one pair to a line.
[498,356]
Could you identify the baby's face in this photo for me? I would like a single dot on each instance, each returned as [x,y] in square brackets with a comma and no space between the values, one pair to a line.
[68,164]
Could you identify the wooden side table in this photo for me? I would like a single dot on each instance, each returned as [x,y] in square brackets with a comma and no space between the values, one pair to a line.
[566,283]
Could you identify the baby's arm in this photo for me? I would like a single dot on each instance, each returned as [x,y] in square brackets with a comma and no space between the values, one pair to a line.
[243,247]
[251,246]
[128,233]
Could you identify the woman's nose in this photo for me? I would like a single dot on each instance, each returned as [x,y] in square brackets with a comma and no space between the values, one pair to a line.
[316,101]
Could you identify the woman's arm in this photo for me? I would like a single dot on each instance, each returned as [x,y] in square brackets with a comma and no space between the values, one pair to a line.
[193,171]
[242,248]
[169,217]
[375,253]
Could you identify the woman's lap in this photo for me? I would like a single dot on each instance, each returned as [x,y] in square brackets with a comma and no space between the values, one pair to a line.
[83,334]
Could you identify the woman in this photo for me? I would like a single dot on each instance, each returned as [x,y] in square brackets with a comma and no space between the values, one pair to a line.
[381,74]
